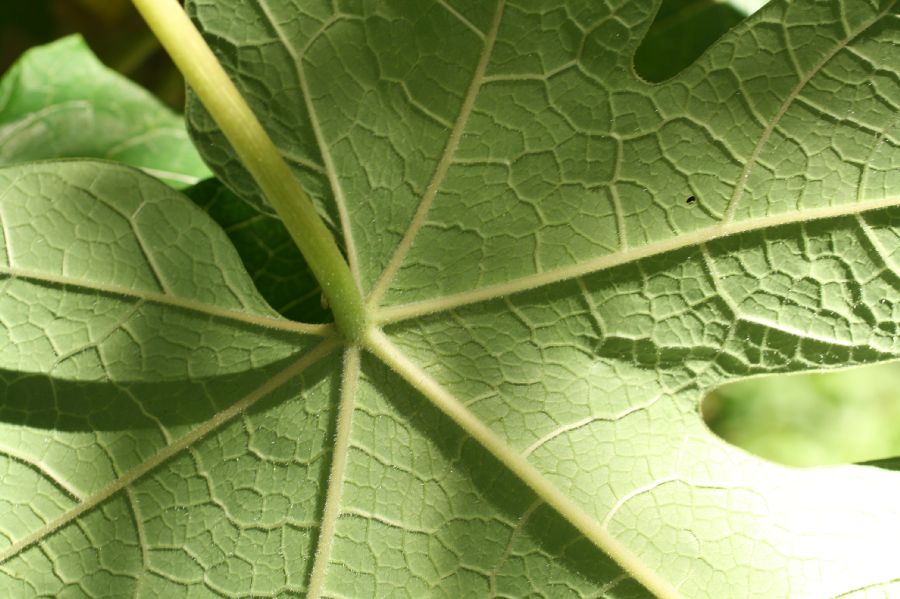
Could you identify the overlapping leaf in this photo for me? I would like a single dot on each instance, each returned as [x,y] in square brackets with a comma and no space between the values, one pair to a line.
[127,323]
[267,251]
[59,101]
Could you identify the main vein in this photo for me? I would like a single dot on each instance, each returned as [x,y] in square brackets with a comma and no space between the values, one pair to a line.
[381,346]
[321,350]
[443,165]
[332,510]
[631,254]
[269,322]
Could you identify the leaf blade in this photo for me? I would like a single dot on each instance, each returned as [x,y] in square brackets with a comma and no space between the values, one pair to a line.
[89,111]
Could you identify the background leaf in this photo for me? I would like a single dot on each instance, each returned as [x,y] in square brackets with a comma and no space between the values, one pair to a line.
[810,420]
[87,111]
[113,29]
[275,264]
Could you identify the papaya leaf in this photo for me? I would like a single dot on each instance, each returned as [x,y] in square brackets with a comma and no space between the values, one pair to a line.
[559,260]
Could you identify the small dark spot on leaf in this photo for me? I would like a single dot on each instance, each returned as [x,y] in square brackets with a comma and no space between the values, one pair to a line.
[691,199]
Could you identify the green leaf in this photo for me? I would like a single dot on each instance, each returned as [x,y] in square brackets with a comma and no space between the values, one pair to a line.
[128,329]
[109,275]
[59,101]
[561,260]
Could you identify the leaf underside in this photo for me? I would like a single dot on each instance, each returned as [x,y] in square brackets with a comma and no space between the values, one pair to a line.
[515,203]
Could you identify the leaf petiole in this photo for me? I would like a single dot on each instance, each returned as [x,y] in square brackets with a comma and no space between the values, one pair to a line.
[258,153]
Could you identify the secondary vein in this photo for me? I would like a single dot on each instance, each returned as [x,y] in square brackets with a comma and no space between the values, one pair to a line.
[533,281]
[320,351]
[379,344]
[269,322]
[335,490]
[443,165]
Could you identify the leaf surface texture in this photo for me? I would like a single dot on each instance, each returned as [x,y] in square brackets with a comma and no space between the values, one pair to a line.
[562,258]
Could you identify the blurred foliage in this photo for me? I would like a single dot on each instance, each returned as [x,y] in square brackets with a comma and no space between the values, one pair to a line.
[802,420]
[112,28]
[86,110]
[814,419]
[683,30]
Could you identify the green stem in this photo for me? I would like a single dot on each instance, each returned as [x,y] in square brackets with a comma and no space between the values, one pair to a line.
[259,155]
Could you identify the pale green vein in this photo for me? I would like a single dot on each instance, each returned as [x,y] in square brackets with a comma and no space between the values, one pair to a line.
[381,346]
[864,175]
[304,162]
[443,165]
[269,322]
[573,426]
[370,516]
[333,495]
[56,479]
[618,208]
[869,235]
[4,228]
[514,535]
[94,342]
[714,278]
[461,18]
[142,244]
[618,505]
[883,586]
[528,282]
[325,347]
[130,219]
[613,583]
[144,138]
[139,529]
[767,132]
[16,128]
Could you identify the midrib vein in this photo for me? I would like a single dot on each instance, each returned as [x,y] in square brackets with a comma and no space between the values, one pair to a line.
[349,381]
[378,343]
[320,351]
[443,166]
[327,161]
[399,313]
[320,330]
[788,101]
